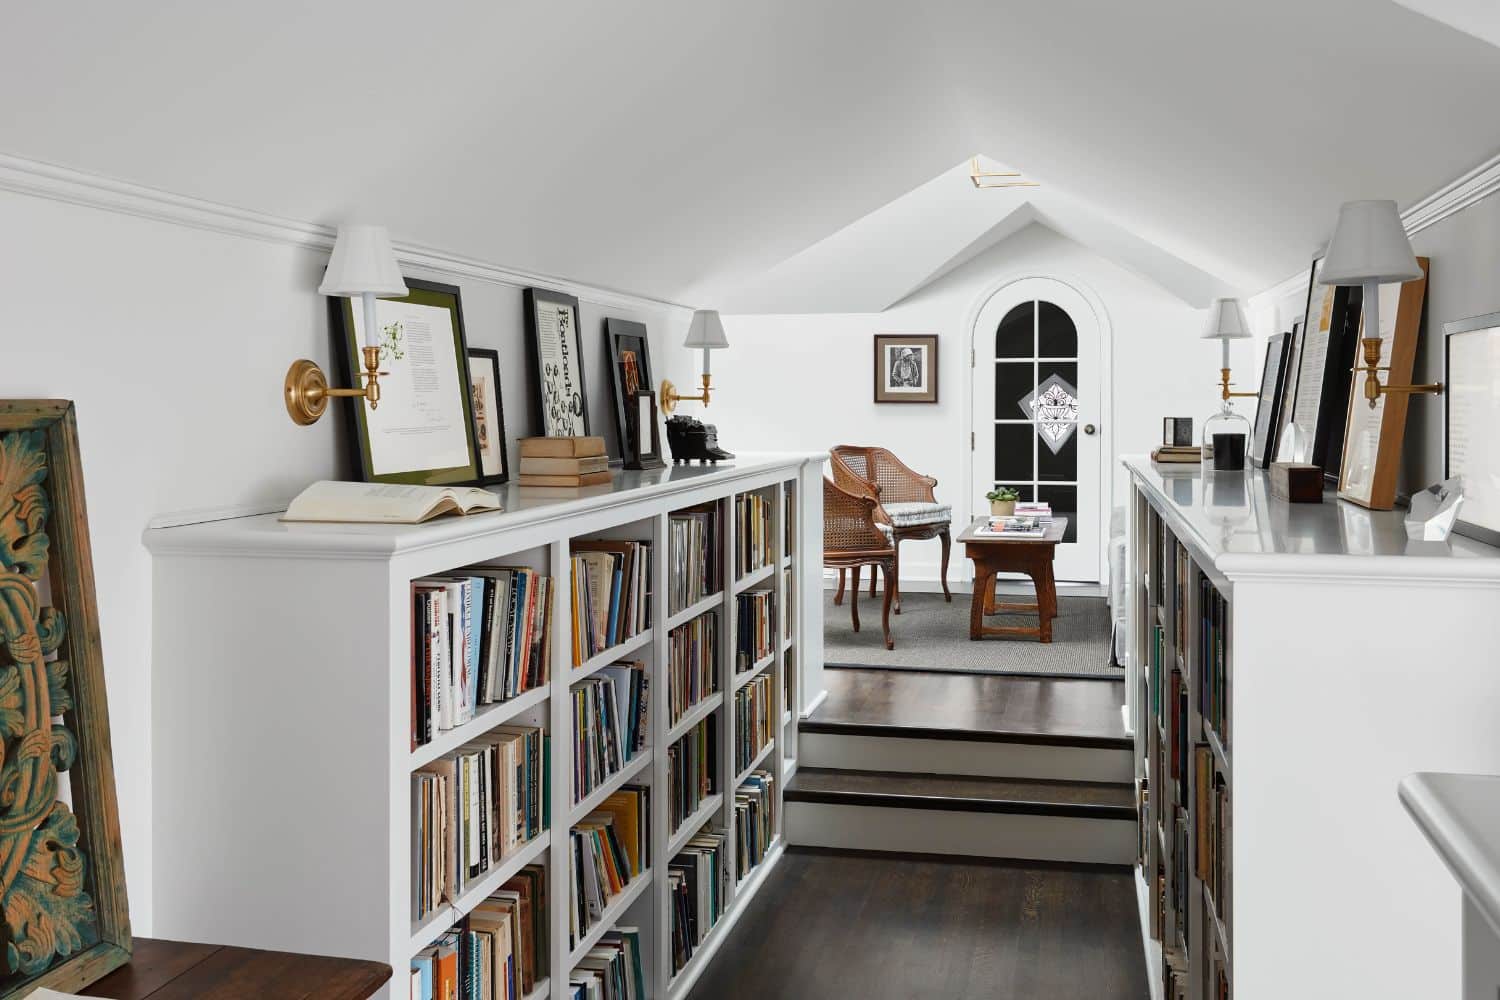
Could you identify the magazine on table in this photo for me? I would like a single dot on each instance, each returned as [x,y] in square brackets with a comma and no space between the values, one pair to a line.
[1015,527]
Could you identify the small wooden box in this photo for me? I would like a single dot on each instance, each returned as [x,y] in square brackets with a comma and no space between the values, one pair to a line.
[1296,482]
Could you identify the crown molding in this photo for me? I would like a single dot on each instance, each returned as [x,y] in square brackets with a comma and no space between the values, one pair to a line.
[76,187]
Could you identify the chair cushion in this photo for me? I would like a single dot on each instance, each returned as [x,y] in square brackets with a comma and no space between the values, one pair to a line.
[906,515]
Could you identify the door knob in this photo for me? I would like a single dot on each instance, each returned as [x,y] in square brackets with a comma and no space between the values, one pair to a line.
[1088,428]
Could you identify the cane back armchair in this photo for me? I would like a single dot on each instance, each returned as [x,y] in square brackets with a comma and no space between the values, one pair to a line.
[851,540]
[906,508]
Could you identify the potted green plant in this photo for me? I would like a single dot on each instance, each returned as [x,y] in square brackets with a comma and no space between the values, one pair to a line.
[1003,501]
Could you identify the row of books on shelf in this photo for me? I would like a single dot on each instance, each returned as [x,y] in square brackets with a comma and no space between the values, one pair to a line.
[791,605]
[1213,631]
[497,952]
[755,628]
[692,770]
[478,637]
[611,594]
[753,724]
[610,848]
[692,663]
[473,807]
[692,556]
[609,723]
[698,886]
[614,969]
[752,533]
[754,821]
[1212,836]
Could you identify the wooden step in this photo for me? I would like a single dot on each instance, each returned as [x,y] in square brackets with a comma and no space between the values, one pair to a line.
[964,793]
[991,754]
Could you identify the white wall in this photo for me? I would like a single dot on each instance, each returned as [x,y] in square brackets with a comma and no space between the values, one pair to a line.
[804,381]
[173,342]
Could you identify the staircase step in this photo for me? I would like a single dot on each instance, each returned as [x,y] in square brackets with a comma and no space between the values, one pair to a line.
[992,754]
[972,735]
[963,793]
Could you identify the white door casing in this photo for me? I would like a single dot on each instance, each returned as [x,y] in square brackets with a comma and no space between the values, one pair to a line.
[1070,471]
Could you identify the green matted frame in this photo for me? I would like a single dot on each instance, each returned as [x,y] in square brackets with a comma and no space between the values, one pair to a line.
[351,363]
[62,893]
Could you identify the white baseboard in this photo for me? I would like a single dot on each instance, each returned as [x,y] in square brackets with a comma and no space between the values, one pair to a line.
[812,706]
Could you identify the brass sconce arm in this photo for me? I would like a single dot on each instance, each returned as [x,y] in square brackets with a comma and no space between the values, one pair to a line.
[1372,369]
[670,397]
[1224,387]
[307,392]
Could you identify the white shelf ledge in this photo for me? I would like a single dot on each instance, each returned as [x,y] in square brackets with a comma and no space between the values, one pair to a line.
[750,579]
[612,784]
[609,656]
[687,614]
[487,717]
[432,926]
[758,668]
[760,758]
[612,914]
[694,823]
[695,715]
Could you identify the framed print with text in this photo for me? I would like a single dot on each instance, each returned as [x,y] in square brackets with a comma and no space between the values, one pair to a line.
[423,430]
[489,416]
[906,368]
[557,362]
[1471,412]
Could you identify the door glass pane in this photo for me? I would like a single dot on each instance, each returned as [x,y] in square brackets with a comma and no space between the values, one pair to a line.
[1064,501]
[1014,337]
[1057,337]
[1059,465]
[1013,379]
[1014,444]
[1027,491]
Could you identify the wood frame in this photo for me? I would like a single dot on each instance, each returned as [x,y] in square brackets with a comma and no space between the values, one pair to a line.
[1274,380]
[926,341]
[567,415]
[1386,422]
[44,530]
[489,358]
[621,335]
[1488,323]
[351,363]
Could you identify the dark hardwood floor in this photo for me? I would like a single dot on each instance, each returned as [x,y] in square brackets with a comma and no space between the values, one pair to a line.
[880,927]
[973,703]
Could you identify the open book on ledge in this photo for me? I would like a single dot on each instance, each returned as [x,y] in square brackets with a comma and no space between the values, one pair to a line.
[386,503]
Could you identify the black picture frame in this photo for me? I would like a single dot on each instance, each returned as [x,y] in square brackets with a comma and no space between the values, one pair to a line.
[557,364]
[1489,322]
[1268,407]
[640,453]
[489,428]
[624,337]
[1331,369]
[351,363]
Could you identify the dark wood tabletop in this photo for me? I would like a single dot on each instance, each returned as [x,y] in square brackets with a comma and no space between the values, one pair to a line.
[176,970]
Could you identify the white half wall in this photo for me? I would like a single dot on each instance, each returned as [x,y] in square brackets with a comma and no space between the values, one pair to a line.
[173,342]
[805,381]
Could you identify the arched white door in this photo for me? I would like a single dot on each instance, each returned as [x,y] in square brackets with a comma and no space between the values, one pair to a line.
[1037,411]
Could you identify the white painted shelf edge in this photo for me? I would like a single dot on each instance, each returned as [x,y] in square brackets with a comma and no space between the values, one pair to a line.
[748,887]
[609,656]
[750,579]
[710,603]
[759,667]
[612,784]
[760,758]
[485,719]
[610,917]
[690,826]
[702,710]
[431,927]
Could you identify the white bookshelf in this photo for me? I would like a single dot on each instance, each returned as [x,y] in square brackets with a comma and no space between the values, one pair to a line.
[282,716]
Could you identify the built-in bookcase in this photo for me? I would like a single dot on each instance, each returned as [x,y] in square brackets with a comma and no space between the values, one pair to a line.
[1183,774]
[308,815]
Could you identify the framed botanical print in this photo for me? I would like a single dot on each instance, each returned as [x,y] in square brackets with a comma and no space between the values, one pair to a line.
[1471,412]
[489,415]
[557,362]
[906,368]
[423,430]
[629,370]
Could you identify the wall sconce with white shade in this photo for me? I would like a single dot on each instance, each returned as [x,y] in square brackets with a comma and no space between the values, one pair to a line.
[1369,249]
[705,333]
[363,266]
[1226,322]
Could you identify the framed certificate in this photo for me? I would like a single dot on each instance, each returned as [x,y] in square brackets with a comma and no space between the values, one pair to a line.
[423,430]
[1471,412]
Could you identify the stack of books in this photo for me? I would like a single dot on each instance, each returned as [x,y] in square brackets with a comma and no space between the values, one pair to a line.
[1014,527]
[692,769]
[609,724]
[498,952]
[752,720]
[752,533]
[610,849]
[754,820]
[473,808]
[611,594]
[754,628]
[698,879]
[478,637]
[1039,509]
[693,555]
[692,650]
[1171,454]
[567,462]
[614,969]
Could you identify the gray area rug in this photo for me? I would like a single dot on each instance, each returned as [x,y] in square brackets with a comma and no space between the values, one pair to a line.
[933,635]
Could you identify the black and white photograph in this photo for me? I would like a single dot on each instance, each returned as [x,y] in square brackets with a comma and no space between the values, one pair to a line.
[906,368]
[557,362]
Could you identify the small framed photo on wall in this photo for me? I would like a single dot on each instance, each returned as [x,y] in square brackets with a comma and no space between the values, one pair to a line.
[906,368]
[489,416]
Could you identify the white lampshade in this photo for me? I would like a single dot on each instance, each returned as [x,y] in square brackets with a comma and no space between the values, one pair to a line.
[1227,321]
[363,263]
[706,332]
[1369,244]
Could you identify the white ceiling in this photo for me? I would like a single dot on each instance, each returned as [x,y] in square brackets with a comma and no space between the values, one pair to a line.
[681,148]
